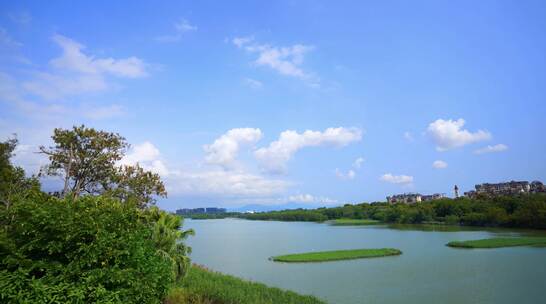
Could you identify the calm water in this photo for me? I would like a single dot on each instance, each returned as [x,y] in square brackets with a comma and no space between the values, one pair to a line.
[426,272]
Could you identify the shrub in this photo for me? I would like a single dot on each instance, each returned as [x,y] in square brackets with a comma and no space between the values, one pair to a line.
[89,250]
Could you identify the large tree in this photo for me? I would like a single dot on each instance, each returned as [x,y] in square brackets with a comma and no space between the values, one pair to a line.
[88,161]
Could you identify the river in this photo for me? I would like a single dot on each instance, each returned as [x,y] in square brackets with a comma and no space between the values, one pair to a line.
[426,272]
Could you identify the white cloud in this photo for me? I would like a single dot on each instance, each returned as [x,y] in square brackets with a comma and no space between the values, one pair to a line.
[358,162]
[284,60]
[224,150]
[73,59]
[279,152]
[492,149]
[349,175]
[225,184]
[408,136]
[397,179]
[308,198]
[75,73]
[253,83]
[439,164]
[147,156]
[448,134]
[181,27]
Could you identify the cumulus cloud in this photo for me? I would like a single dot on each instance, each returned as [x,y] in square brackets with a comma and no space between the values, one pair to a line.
[285,60]
[448,134]
[227,184]
[147,156]
[181,27]
[223,151]
[396,179]
[439,164]
[75,72]
[278,153]
[492,149]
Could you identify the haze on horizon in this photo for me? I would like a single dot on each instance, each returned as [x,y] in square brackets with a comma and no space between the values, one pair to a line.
[308,102]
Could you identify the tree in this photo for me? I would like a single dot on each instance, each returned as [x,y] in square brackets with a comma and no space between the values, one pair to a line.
[133,182]
[12,179]
[85,157]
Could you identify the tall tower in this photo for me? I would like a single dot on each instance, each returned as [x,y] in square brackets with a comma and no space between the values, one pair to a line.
[456,190]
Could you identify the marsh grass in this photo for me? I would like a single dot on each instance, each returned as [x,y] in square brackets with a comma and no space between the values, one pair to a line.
[325,256]
[500,242]
[353,222]
[203,286]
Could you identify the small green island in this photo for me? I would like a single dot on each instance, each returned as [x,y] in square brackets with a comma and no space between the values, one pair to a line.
[353,222]
[500,242]
[336,255]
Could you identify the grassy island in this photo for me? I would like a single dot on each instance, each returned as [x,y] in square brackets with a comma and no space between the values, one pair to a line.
[500,242]
[353,222]
[325,256]
[202,286]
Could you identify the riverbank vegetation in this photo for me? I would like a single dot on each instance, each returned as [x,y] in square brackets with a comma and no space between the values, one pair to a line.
[336,255]
[500,242]
[525,211]
[203,286]
[353,222]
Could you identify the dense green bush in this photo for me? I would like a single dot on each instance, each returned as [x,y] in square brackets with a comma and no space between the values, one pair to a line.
[89,250]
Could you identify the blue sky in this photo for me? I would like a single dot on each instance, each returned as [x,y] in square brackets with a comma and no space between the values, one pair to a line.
[315,102]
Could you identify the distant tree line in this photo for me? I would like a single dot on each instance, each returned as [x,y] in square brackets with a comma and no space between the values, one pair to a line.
[526,210]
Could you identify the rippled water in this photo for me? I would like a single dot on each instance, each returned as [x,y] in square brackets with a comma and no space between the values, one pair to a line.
[426,272]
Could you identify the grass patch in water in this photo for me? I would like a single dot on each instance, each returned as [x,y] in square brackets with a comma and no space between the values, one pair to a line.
[336,255]
[354,222]
[500,242]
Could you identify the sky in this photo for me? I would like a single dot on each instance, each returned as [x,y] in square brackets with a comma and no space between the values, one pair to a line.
[309,102]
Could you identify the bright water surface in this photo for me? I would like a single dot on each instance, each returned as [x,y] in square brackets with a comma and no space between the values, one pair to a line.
[426,272]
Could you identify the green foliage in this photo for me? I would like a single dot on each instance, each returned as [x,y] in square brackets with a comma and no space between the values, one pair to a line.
[12,179]
[526,210]
[134,183]
[353,222]
[203,286]
[85,158]
[167,236]
[336,255]
[500,242]
[88,250]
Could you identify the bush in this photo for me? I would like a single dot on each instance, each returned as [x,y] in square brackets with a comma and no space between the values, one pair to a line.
[91,250]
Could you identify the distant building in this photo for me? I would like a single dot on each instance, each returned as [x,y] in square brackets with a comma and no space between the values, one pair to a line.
[456,191]
[431,197]
[508,188]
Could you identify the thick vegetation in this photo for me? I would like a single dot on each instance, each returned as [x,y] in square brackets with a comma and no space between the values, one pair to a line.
[526,210]
[354,222]
[336,255]
[202,286]
[500,242]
